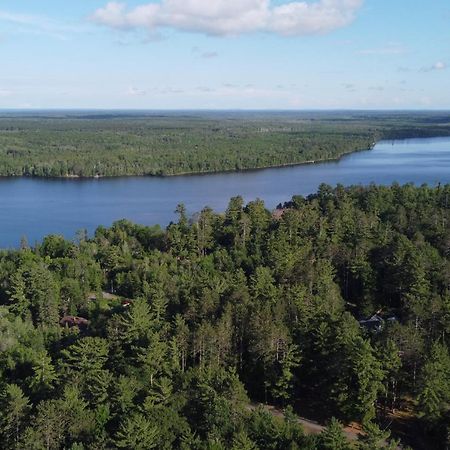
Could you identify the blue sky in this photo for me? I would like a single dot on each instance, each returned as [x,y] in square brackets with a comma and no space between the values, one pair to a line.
[225,54]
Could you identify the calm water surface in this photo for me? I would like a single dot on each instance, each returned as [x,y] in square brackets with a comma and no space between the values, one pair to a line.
[37,207]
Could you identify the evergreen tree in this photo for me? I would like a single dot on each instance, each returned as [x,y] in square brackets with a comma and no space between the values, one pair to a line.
[333,437]
[374,438]
[434,394]
[14,411]
[136,433]
[44,374]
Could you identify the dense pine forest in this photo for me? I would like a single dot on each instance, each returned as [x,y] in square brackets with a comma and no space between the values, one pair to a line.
[89,144]
[335,307]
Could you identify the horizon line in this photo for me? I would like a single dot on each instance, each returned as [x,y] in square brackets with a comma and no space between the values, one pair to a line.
[102,109]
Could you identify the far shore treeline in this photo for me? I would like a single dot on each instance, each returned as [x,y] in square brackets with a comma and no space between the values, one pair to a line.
[96,144]
[335,307]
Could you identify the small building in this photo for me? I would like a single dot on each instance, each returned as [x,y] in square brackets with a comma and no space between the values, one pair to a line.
[74,321]
[277,214]
[373,324]
[376,323]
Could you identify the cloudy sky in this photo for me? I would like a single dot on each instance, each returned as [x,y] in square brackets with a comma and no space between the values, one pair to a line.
[225,54]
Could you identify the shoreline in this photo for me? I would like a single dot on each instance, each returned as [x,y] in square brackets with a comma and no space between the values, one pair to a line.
[186,174]
[218,172]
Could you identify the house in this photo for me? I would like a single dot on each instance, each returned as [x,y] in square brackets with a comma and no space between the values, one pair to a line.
[74,321]
[277,214]
[373,324]
[376,323]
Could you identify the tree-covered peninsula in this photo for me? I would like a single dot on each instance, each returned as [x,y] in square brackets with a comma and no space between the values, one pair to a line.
[88,144]
[334,307]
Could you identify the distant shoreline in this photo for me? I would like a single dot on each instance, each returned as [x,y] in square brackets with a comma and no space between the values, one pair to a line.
[185,174]
[218,172]
[179,145]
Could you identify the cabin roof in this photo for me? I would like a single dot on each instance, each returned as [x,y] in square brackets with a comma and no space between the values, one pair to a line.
[74,321]
[277,214]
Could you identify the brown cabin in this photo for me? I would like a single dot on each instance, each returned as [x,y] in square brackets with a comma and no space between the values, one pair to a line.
[277,214]
[74,321]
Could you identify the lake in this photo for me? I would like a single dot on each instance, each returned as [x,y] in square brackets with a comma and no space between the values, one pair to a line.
[38,207]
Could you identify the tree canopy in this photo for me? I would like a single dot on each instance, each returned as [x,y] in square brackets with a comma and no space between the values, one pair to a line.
[336,308]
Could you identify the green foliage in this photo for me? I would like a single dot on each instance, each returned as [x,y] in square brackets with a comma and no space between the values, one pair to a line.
[241,441]
[136,433]
[75,145]
[44,375]
[170,334]
[14,410]
[434,397]
[333,437]
[368,376]
[374,438]
[263,429]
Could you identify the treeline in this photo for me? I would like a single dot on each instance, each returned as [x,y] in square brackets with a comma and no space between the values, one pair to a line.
[336,307]
[119,145]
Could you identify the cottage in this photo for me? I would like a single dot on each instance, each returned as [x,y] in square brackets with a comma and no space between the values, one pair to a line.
[277,214]
[74,321]
[373,324]
[376,323]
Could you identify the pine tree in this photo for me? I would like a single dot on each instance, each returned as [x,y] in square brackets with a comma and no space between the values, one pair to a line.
[366,382]
[85,362]
[391,364]
[137,433]
[181,332]
[435,383]
[137,323]
[44,375]
[374,438]
[18,295]
[333,437]
[49,425]
[14,409]
[241,441]
[44,294]
[284,385]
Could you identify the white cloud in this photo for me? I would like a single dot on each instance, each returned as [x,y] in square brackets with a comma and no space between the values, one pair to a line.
[135,92]
[5,93]
[232,17]
[440,65]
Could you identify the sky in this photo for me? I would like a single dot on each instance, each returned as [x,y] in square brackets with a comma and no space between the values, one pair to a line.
[225,54]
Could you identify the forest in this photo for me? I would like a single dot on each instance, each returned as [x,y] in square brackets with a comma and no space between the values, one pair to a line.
[334,307]
[99,144]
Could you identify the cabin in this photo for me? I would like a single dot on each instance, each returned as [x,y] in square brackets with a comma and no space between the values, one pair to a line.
[74,321]
[376,323]
[373,324]
[277,214]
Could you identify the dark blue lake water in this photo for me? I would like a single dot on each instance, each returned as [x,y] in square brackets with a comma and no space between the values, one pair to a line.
[37,207]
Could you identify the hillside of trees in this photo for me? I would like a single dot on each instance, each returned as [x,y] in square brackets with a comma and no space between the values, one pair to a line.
[336,307]
[120,144]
